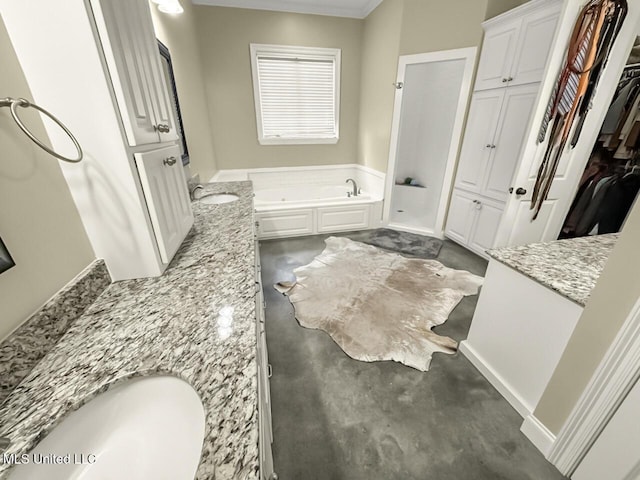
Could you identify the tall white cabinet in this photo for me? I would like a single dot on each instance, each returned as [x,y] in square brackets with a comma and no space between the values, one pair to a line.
[512,62]
[103,79]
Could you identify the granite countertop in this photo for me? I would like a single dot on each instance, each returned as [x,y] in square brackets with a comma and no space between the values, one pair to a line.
[571,267]
[167,326]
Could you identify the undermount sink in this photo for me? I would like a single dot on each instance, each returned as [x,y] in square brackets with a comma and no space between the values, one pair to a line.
[146,428]
[219,198]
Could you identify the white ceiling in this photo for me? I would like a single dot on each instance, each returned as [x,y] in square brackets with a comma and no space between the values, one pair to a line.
[336,8]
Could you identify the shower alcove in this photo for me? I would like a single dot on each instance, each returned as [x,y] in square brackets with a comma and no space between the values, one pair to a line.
[432,90]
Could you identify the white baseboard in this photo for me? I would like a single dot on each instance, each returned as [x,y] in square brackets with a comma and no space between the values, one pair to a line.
[498,382]
[539,435]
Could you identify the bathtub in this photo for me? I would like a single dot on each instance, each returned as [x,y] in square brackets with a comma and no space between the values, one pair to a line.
[297,201]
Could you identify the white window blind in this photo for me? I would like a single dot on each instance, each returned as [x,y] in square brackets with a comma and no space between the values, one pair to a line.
[296,94]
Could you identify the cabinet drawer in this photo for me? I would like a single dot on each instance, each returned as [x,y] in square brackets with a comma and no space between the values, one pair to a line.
[332,219]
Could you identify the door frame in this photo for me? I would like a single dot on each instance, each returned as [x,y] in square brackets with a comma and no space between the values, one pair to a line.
[615,376]
[469,56]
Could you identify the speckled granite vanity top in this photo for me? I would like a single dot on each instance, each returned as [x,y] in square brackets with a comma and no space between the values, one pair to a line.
[165,325]
[571,267]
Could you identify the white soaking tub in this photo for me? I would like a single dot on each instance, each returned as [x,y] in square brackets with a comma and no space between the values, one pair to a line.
[311,209]
[297,201]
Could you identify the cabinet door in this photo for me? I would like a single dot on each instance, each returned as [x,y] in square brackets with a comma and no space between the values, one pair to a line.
[479,134]
[534,43]
[461,216]
[158,82]
[167,197]
[487,219]
[496,59]
[131,52]
[512,126]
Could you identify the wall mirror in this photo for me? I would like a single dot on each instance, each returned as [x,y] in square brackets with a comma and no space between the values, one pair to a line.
[6,262]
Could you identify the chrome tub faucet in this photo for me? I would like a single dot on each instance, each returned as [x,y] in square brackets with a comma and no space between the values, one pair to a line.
[356,190]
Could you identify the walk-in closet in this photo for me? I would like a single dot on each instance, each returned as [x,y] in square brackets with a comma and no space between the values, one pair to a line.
[609,185]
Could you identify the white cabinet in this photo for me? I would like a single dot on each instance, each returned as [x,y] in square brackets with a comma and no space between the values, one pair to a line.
[473,221]
[515,113]
[513,60]
[477,145]
[496,59]
[131,52]
[163,183]
[265,437]
[516,45]
[496,127]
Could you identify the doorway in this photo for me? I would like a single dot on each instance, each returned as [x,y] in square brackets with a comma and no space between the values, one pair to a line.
[432,90]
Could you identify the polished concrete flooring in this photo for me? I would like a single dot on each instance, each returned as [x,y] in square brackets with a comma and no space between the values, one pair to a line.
[335,418]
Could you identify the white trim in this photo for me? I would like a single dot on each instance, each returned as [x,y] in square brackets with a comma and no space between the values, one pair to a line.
[496,380]
[516,13]
[538,434]
[294,52]
[615,376]
[313,8]
[469,55]
[240,174]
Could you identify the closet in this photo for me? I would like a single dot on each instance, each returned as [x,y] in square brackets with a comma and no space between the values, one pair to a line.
[513,60]
[611,180]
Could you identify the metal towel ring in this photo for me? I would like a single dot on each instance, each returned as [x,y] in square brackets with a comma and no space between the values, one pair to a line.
[14,103]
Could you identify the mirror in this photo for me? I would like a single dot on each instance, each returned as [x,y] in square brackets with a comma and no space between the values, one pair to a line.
[6,262]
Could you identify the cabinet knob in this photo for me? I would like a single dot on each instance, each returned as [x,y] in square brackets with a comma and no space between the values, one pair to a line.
[169,161]
[509,79]
[162,128]
[504,80]
[520,191]
[491,145]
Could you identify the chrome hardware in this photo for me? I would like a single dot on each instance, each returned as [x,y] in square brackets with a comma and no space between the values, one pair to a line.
[520,191]
[355,187]
[398,85]
[269,371]
[162,128]
[169,162]
[196,191]
[14,103]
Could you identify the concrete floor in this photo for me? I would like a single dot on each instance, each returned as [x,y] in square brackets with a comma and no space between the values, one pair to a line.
[335,418]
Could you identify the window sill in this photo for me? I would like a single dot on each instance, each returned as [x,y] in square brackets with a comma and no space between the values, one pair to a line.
[297,141]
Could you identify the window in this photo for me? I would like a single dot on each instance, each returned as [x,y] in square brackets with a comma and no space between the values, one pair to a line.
[297,92]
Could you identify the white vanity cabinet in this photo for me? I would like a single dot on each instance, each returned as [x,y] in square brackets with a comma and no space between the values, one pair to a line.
[131,53]
[516,45]
[265,438]
[163,181]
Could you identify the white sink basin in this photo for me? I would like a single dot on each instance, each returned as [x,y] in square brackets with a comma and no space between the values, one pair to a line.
[148,428]
[218,198]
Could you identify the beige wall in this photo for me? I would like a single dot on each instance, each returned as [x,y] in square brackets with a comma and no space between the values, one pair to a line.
[380,47]
[177,32]
[611,301]
[39,222]
[496,7]
[224,36]
[433,25]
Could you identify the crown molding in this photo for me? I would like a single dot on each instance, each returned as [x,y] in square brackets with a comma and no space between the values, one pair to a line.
[295,6]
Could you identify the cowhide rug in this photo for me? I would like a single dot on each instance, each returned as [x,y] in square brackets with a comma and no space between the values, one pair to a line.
[378,305]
